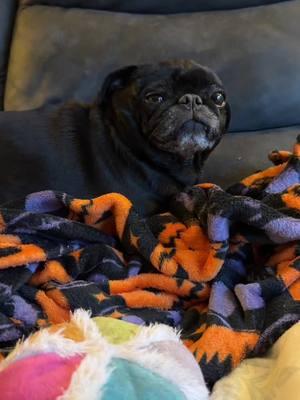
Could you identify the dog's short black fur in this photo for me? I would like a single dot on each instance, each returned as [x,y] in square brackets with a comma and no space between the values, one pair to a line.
[146,136]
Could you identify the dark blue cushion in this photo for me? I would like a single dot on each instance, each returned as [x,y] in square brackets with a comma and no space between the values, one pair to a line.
[61,53]
[154,6]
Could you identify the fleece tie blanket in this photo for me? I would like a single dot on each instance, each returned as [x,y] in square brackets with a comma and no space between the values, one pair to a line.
[222,266]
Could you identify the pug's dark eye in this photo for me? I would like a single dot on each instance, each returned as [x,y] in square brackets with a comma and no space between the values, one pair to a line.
[219,99]
[154,98]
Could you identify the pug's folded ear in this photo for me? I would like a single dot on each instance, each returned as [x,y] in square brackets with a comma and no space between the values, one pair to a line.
[115,81]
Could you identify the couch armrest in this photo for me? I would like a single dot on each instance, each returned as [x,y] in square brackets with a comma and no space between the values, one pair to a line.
[7,15]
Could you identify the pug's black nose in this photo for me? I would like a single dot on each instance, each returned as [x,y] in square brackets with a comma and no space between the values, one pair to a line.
[191,101]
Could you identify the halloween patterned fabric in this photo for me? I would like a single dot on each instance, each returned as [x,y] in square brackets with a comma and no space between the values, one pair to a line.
[222,266]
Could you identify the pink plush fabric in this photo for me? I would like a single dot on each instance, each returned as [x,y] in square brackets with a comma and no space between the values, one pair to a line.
[41,377]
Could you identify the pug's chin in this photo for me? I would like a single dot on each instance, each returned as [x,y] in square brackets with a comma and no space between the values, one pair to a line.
[196,141]
[186,145]
[193,136]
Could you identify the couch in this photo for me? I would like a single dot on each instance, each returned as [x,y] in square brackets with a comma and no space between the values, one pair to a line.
[56,50]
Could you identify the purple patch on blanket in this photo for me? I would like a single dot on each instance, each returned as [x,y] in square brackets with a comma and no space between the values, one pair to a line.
[286,179]
[218,228]
[24,311]
[221,300]
[250,296]
[133,319]
[283,230]
[42,202]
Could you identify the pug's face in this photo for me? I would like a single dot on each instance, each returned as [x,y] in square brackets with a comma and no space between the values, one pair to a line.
[180,107]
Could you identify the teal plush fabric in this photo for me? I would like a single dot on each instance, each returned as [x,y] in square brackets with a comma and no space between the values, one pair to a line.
[130,381]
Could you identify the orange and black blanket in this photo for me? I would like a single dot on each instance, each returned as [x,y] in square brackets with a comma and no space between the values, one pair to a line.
[222,266]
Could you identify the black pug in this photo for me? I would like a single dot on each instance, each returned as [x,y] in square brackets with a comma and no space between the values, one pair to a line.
[146,136]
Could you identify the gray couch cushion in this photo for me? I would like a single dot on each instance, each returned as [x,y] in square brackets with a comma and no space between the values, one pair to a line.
[242,154]
[61,53]
[7,11]
[154,6]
